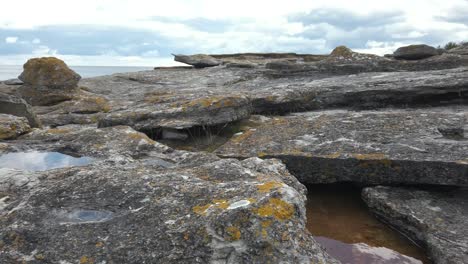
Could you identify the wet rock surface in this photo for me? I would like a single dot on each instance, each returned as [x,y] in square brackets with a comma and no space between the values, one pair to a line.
[435,218]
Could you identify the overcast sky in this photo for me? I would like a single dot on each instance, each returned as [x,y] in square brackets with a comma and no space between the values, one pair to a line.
[146,32]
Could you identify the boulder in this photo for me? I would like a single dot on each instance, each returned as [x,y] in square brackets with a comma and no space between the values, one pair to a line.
[415,52]
[47,81]
[16,106]
[435,218]
[425,146]
[197,60]
[13,126]
[342,51]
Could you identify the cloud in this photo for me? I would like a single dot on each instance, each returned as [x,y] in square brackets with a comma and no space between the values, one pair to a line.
[144,31]
[11,40]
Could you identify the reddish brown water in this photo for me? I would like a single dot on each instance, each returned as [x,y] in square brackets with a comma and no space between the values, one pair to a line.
[341,222]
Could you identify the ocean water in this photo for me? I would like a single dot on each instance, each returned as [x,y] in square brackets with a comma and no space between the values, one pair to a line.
[12,71]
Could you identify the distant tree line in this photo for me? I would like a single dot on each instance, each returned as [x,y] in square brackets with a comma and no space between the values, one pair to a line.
[450,45]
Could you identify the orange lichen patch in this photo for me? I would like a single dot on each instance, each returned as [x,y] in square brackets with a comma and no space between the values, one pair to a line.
[221,204]
[99,244]
[233,232]
[186,236]
[140,136]
[265,224]
[58,131]
[157,97]
[86,260]
[276,208]
[216,203]
[279,121]
[371,156]
[268,186]
[201,209]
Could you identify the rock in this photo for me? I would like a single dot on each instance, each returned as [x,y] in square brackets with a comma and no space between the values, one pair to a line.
[186,208]
[421,146]
[174,134]
[460,50]
[216,96]
[415,52]
[342,51]
[47,81]
[12,126]
[437,219]
[13,82]
[13,105]
[198,60]
[244,64]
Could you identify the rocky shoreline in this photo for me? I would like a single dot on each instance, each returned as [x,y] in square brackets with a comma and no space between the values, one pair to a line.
[284,120]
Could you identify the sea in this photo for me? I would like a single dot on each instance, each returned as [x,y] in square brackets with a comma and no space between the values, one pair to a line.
[12,71]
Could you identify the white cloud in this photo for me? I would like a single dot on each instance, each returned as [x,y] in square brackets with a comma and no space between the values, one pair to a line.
[11,40]
[249,26]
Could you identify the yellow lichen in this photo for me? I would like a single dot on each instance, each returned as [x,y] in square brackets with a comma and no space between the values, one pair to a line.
[243,136]
[268,186]
[99,244]
[222,204]
[58,131]
[140,136]
[370,156]
[233,232]
[86,260]
[201,209]
[261,154]
[276,208]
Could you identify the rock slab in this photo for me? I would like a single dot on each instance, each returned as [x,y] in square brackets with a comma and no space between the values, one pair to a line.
[436,219]
[415,52]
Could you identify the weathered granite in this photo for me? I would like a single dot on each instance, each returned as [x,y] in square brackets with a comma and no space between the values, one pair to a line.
[389,146]
[156,205]
[14,105]
[460,50]
[13,126]
[435,218]
[415,52]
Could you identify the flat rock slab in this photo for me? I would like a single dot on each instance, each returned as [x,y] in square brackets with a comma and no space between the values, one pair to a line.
[425,146]
[436,219]
[182,98]
[163,206]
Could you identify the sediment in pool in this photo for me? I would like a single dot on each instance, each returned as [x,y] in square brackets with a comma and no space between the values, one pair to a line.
[339,220]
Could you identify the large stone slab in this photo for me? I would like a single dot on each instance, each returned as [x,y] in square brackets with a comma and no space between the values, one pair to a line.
[181,98]
[155,205]
[436,219]
[421,146]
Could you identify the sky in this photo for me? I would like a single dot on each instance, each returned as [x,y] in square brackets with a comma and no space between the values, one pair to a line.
[147,32]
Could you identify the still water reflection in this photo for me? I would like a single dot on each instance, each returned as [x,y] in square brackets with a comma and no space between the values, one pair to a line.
[40,161]
[341,222]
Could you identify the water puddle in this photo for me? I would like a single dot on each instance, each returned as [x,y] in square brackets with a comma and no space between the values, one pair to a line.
[41,161]
[341,222]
